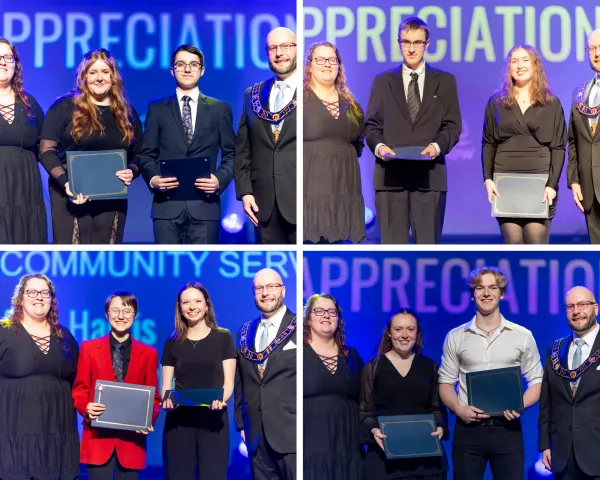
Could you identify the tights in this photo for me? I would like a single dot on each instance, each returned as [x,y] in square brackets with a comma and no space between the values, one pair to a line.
[535,232]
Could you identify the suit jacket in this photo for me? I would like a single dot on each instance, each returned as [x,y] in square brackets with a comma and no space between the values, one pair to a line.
[568,422]
[95,363]
[584,154]
[274,394]
[264,168]
[388,121]
[164,139]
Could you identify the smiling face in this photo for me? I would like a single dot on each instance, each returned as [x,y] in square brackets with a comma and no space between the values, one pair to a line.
[581,319]
[403,332]
[487,294]
[120,315]
[323,325]
[268,302]
[521,66]
[7,69]
[193,305]
[281,63]
[36,299]
[99,79]
[326,73]
[594,50]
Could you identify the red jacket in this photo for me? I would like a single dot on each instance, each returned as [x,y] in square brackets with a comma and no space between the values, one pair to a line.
[95,363]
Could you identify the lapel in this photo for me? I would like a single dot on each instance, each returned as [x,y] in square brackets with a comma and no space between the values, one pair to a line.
[264,100]
[176,111]
[432,82]
[584,119]
[397,87]
[105,357]
[587,373]
[202,115]
[252,343]
[286,125]
[285,321]
[564,351]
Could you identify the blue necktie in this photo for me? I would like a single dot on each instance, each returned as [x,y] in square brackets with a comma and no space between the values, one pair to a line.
[279,105]
[579,342]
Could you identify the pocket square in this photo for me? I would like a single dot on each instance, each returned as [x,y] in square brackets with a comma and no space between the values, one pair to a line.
[290,346]
[598,367]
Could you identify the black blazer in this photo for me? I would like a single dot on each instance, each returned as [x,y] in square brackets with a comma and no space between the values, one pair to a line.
[584,153]
[388,121]
[262,168]
[275,394]
[165,139]
[568,422]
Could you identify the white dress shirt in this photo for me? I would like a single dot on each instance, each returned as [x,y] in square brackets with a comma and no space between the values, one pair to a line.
[586,348]
[468,349]
[594,98]
[288,93]
[194,95]
[276,321]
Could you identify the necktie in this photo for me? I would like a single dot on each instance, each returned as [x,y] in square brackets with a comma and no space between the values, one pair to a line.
[413,98]
[579,342]
[278,106]
[594,101]
[188,126]
[118,363]
[264,343]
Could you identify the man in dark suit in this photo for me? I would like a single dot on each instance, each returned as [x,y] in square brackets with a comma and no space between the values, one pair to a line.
[583,176]
[188,124]
[265,387]
[265,159]
[412,105]
[569,426]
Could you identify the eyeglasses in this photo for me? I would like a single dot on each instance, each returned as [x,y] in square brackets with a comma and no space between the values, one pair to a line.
[35,293]
[127,312]
[271,287]
[416,43]
[181,66]
[284,47]
[7,58]
[323,60]
[592,49]
[319,312]
[569,307]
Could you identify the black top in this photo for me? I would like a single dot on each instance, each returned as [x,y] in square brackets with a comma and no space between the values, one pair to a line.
[344,383]
[125,351]
[200,366]
[57,140]
[530,142]
[26,127]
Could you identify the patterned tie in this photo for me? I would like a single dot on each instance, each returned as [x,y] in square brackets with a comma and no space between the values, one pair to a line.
[279,105]
[117,359]
[594,101]
[188,126]
[264,343]
[579,342]
[413,97]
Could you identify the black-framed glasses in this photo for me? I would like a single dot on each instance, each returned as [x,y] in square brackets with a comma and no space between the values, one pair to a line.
[8,58]
[181,66]
[592,49]
[127,312]
[319,312]
[570,307]
[323,60]
[284,47]
[416,43]
[35,293]
[270,287]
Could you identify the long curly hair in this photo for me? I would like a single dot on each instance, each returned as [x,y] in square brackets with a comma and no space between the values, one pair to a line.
[181,325]
[17,80]
[15,314]
[340,81]
[540,93]
[339,336]
[86,116]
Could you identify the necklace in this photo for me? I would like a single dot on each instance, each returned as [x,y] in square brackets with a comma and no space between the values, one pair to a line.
[522,101]
[194,344]
[488,333]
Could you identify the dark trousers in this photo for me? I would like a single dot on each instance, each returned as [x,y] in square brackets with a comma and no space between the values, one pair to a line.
[592,220]
[403,211]
[572,471]
[277,230]
[105,472]
[186,229]
[267,464]
[94,222]
[501,444]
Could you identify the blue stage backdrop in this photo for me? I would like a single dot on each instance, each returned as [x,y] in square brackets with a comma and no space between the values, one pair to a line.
[469,39]
[371,286]
[83,280]
[52,37]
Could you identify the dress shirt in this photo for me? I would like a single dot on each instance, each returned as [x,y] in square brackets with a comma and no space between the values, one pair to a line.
[406,78]
[288,93]
[586,349]
[194,95]
[125,351]
[593,97]
[276,320]
[467,349]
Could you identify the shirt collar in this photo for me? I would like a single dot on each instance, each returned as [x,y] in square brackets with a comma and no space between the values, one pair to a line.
[504,323]
[589,337]
[277,318]
[419,71]
[113,341]
[290,81]
[194,94]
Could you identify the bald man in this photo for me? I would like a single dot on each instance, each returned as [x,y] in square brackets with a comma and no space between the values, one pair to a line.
[583,169]
[265,387]
[569,423]
[265,159]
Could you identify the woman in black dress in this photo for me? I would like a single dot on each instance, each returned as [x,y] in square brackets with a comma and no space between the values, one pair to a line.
[197,355]
[334,132]
[38,358]
[22,210]
[332,448]
[524,132]
[96,116]
[401,381]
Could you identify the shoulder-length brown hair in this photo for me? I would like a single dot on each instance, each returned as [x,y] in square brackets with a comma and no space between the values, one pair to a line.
[339,336]
[539,91]
[86,115]
[17,81]
[181,326]
[385,344]
[340,81]
[15,315]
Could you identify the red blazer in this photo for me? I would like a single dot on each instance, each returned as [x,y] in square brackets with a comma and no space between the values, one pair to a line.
[95,363]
